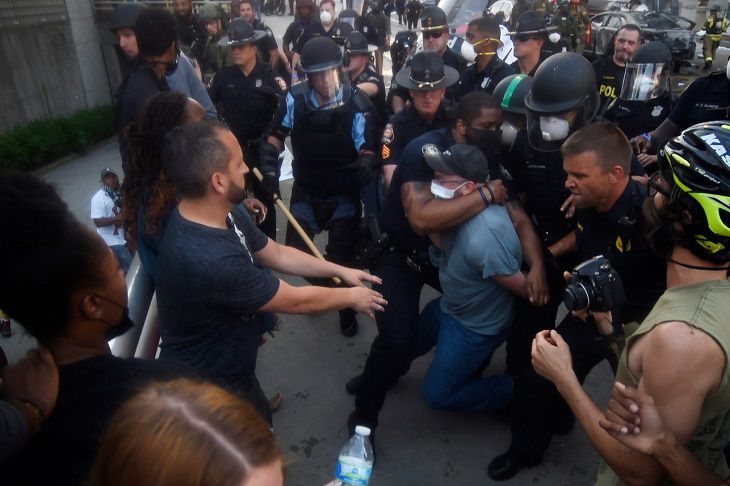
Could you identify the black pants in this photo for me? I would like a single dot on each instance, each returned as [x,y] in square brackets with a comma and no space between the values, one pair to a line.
[396,345]
[538,409]
[530,319]
[318,212]
[251,154]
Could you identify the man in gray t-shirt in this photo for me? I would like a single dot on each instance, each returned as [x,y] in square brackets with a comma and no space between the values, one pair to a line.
[479,269]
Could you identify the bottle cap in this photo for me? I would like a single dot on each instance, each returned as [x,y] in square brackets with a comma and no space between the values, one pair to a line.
[362,430]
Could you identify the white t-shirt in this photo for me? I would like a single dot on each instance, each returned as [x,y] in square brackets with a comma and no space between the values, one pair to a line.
[102,206]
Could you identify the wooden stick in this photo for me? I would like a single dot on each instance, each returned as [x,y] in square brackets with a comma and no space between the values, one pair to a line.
[280,204]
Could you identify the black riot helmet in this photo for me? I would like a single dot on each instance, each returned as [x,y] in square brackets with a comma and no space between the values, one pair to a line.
[647,73]
[563,98]
[511,93]
[695,168]
[125,16]
[321,64]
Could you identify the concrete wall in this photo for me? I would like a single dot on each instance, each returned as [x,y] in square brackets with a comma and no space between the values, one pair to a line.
[50,59]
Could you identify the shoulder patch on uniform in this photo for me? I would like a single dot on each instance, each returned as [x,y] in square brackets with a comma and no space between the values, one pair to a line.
[430,150]
[657,111]
[388,134]
[282,84]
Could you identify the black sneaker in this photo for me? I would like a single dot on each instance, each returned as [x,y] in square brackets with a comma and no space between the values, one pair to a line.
[353,386]
[348,323]
[5,328]
[505,466]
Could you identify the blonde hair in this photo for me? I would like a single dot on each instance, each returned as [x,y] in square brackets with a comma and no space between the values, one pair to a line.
[184,433]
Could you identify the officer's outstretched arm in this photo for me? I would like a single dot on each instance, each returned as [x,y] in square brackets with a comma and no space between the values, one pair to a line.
[426,214]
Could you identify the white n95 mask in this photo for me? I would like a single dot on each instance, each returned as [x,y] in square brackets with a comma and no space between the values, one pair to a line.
[554,128]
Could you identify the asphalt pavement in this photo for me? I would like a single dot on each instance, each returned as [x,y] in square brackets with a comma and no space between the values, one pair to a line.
[309,362]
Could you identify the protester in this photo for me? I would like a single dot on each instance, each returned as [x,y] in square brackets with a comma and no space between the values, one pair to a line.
[106,212]
[183,432]
[49,255]
[214,272]
[148,195]
[479,270]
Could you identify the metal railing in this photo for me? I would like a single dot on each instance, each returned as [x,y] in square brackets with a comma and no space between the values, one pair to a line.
[102,5]
[142,341]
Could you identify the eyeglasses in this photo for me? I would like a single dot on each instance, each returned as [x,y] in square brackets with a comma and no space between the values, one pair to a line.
[432,35]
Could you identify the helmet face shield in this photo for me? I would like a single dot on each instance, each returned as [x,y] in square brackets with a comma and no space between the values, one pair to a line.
[327,89]
[644,82]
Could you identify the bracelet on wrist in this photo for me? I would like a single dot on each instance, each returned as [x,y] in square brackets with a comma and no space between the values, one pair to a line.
[491,192]
[484,198]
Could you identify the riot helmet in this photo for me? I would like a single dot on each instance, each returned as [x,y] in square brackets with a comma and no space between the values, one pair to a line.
[647,72]
[325,82]
[511,93]
[210,11]
[351,18]
[695,169]
[125,16]
[562,99]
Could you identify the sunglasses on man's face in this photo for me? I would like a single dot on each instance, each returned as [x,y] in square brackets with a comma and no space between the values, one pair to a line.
[432,35]
[523,37]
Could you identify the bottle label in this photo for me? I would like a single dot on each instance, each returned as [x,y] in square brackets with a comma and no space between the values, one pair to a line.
[354,471]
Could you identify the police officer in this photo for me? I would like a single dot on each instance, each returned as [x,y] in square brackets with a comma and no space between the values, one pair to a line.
[535,166]
[334,138]
[645,99]
[706,99]
[529,37]
[215,54]
[489,69]
[247,95]
[404,267]
[305,18]
[610,69]
[609,222]
[566,24]
[363,76]
[435,31]
[413,12]
[377,31]
[268,48]
[511,93]
[328,26]
[427,111]
[714,27]
[190,31]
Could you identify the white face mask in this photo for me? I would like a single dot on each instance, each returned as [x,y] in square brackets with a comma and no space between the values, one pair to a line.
[468,52]
[727,70]
[442,192]
[325,17]
[554,128]
[509,134]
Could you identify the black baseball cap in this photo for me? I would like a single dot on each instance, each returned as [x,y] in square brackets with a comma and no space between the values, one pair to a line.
[465,161]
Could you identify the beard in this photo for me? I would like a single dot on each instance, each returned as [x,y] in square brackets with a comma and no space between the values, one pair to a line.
[236,194]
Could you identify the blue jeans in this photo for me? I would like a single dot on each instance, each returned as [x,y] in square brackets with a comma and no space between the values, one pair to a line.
[124,256]
[450,383]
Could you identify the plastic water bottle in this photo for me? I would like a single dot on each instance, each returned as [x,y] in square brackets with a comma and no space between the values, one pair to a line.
[356,460]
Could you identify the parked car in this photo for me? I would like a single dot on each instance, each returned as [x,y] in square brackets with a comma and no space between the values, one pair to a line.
[675,32]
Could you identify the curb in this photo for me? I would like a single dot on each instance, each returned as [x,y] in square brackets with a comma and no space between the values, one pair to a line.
[57,163]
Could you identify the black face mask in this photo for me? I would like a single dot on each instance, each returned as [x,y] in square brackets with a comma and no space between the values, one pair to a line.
[123,326]
[488,141]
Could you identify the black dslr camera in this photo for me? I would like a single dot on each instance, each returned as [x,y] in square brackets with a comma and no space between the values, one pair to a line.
[594,285]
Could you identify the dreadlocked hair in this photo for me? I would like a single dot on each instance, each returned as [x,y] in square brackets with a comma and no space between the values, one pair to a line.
[145,182]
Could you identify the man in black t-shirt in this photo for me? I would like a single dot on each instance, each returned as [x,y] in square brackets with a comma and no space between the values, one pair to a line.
[213,273]
[610,70]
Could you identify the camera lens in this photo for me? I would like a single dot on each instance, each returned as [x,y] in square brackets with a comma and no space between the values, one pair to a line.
[576,297]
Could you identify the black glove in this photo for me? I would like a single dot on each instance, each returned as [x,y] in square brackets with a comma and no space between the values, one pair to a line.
[269,164]
[366,163]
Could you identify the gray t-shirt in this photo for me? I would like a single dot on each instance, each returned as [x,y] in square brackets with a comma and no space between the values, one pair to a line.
[208,292]
[473,252]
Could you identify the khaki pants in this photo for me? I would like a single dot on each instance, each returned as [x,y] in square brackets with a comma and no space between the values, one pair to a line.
[709,47]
